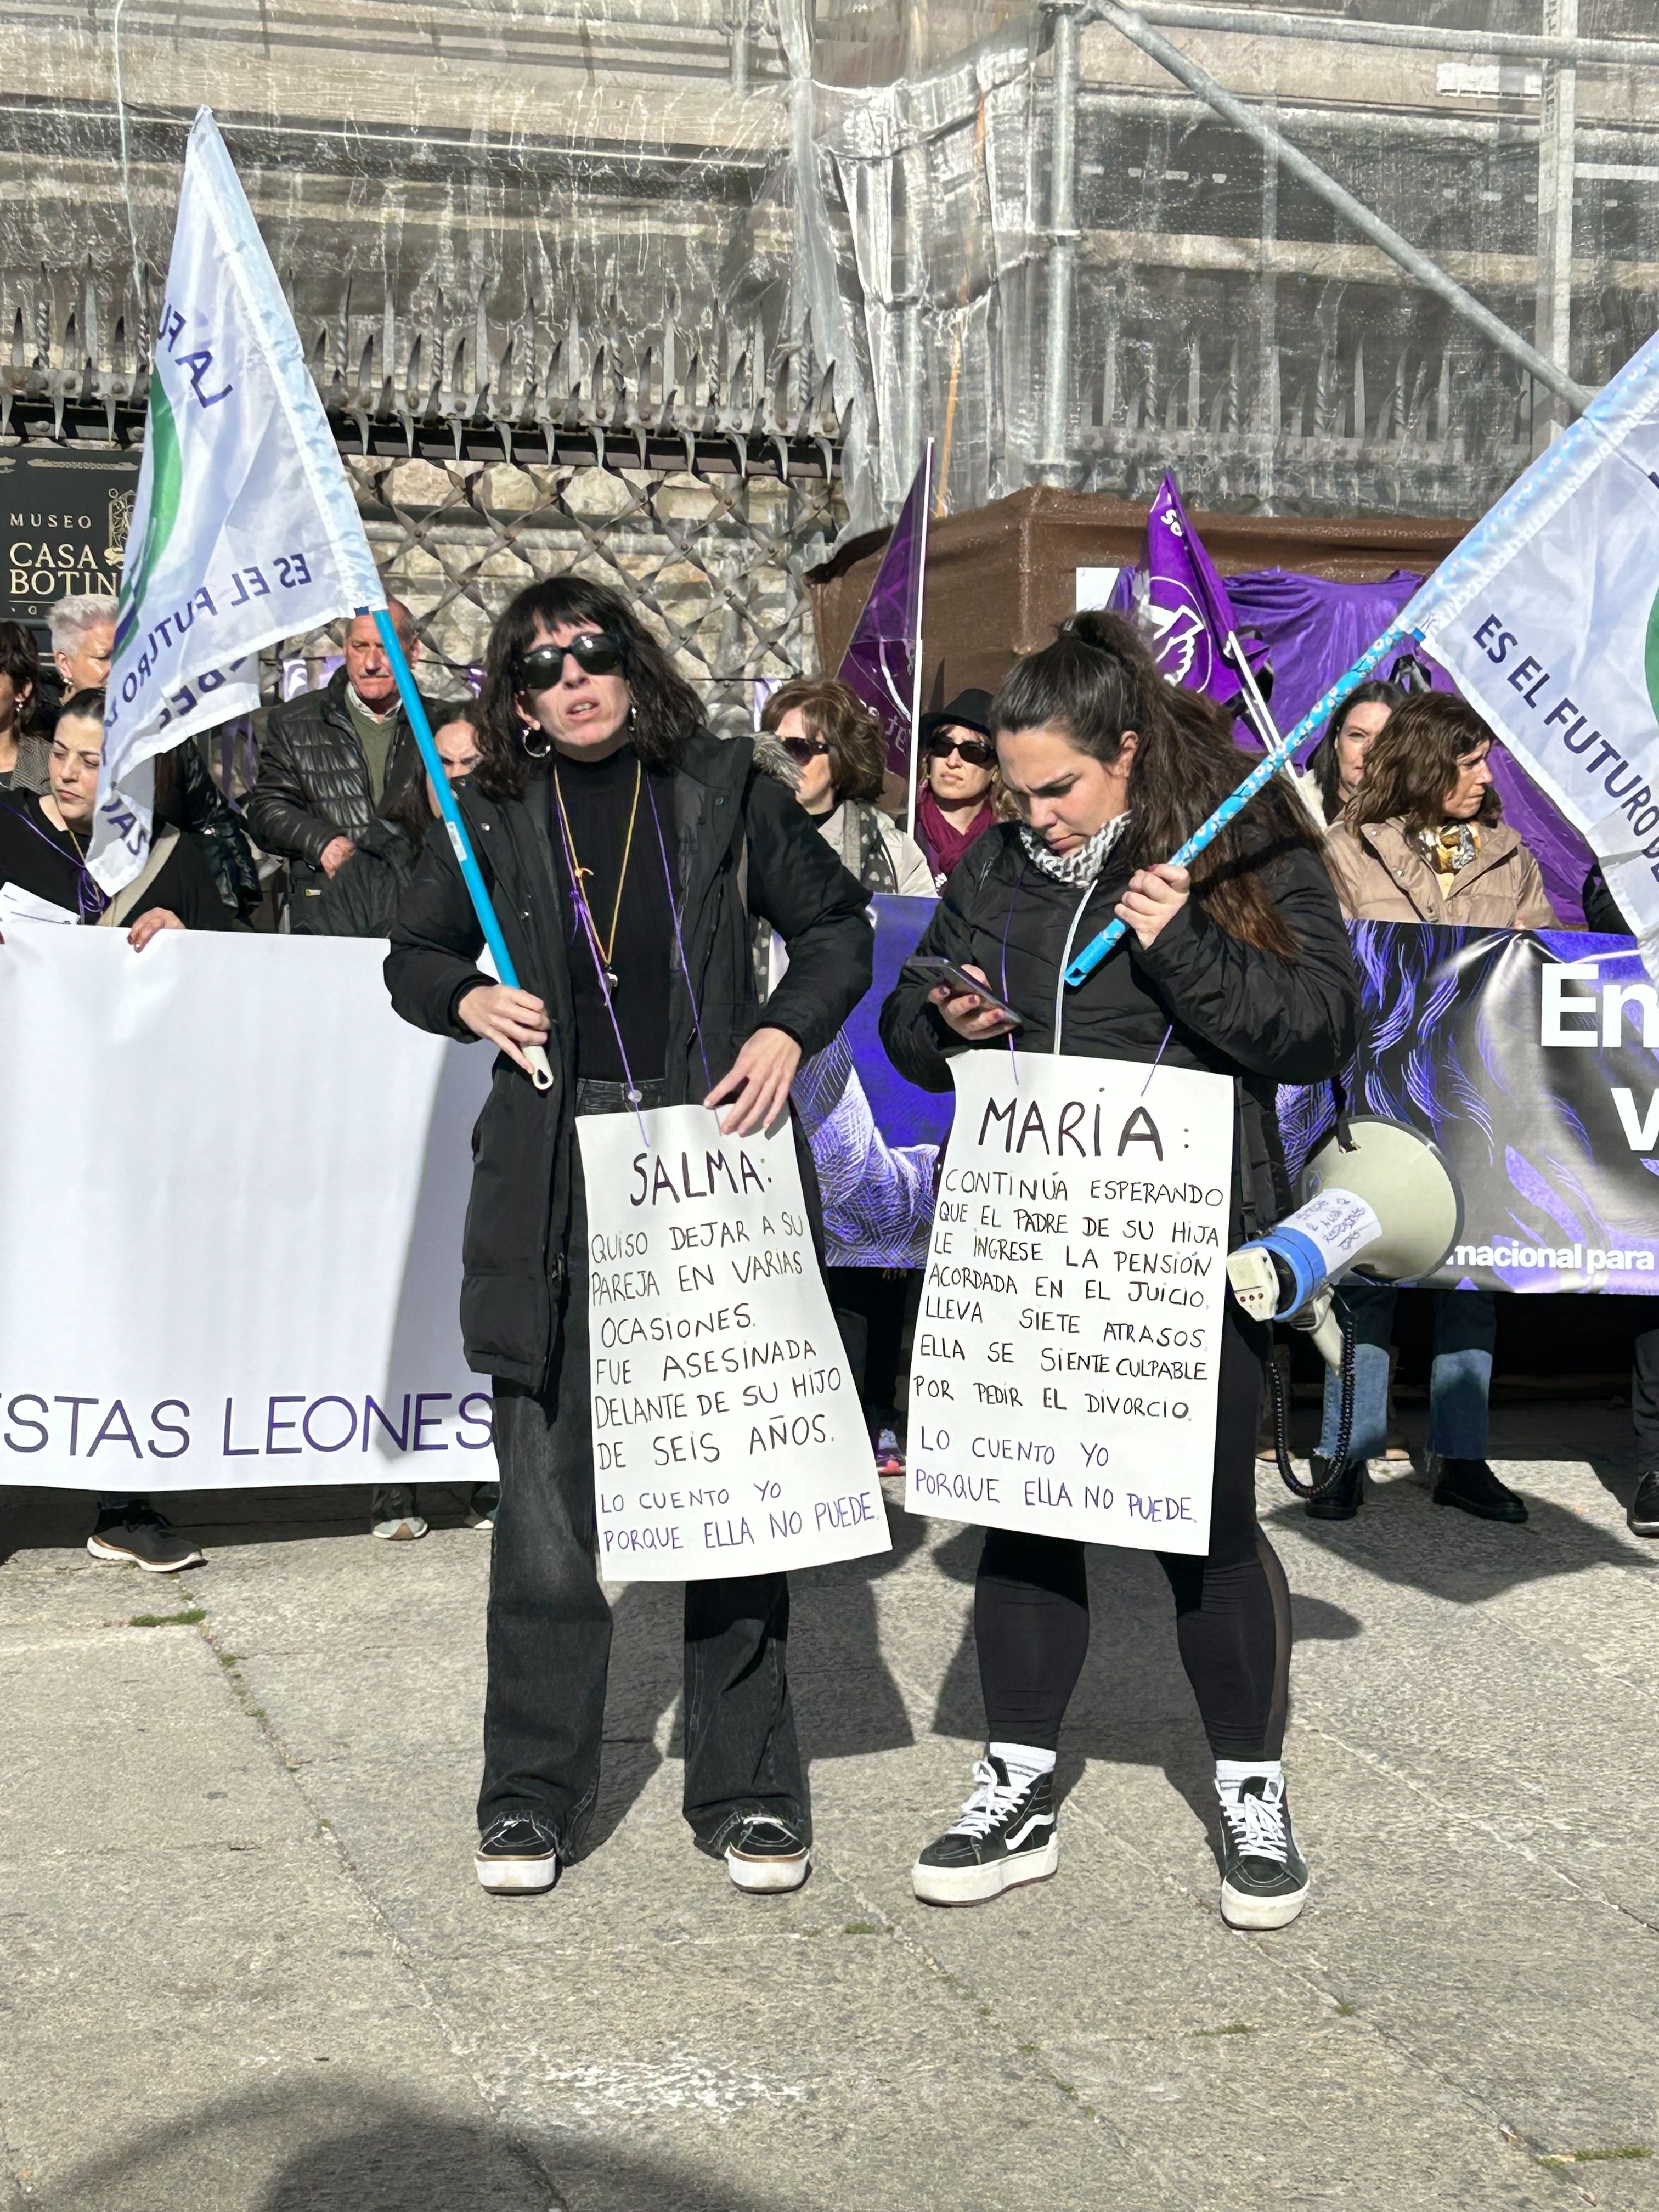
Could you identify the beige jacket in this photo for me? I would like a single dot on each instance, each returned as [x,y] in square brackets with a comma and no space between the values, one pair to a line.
[1381,876]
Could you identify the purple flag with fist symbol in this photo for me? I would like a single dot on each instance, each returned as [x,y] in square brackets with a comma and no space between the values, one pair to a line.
[1191,616]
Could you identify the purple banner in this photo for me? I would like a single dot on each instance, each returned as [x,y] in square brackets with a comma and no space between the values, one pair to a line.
[1191,613]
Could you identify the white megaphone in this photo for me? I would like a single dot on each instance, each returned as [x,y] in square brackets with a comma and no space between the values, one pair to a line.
[1379,1199]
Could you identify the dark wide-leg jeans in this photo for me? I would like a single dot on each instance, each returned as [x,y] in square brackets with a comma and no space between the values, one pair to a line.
[549,1629]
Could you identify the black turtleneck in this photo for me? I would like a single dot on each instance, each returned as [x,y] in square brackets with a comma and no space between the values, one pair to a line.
[599,798]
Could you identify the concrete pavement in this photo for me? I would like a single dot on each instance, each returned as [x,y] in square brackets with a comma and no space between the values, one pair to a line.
[244,1965]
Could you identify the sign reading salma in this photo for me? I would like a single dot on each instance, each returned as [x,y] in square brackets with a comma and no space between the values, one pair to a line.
[245,530]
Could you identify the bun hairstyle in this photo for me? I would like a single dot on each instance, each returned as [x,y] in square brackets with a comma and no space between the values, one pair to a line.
[1097,681]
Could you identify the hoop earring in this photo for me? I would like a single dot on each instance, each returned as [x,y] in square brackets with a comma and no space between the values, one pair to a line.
[544,752]
[633,714]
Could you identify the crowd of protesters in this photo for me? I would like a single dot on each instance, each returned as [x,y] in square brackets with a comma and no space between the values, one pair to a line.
[582,715]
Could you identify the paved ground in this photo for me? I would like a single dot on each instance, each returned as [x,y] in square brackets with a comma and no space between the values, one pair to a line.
[244,1965]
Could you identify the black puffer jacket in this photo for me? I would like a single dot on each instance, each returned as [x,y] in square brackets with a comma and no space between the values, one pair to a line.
[188,799]
[736,835]
[314,782]
[360,899]
[1224,1005]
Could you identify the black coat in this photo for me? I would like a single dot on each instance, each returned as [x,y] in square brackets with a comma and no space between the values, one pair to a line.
[39,858]
[360,899]
[1225,1004]
[313,783]
[735,835]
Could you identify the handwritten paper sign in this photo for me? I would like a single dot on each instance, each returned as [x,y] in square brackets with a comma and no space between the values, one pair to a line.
[1067,1344]
[727,1435]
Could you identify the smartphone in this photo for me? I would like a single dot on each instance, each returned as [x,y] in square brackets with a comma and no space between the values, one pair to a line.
[940,970]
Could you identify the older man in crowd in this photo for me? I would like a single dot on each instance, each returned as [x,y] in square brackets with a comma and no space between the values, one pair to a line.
[331,760]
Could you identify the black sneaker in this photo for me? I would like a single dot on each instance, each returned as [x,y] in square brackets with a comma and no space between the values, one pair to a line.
[517,1854]
[1470,1486]
[767,1856]
[1346,1495]
[137,1536]
[1643,1515]
[1005,1835]
[1264,1883]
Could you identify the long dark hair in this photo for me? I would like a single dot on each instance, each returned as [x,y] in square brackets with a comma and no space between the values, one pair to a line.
[667,710]
[1322,762]
[1412,770]
[1097,681]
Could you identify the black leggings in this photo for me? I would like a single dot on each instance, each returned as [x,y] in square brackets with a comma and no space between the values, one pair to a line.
[1232,1606]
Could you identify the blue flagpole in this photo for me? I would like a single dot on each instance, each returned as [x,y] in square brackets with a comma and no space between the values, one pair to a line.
[541,1073]
[1260,776]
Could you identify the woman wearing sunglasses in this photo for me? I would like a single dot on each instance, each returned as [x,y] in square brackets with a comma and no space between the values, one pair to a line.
[839,753]
[626,848]
[1240,966]
[958,800]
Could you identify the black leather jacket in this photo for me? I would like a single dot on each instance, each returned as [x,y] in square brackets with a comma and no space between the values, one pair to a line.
[361,899]
[314,782]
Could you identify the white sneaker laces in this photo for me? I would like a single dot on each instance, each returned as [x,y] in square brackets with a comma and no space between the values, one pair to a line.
[989,1806]
[1258,1822]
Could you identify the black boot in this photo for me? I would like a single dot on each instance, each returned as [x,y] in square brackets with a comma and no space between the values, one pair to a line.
[1470,1485]
[1346,1496]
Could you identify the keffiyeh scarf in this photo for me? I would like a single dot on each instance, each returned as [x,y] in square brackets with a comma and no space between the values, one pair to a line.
[1083,866]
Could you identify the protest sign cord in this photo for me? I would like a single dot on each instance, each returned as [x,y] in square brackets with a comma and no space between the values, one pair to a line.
[601,968]
[679,941]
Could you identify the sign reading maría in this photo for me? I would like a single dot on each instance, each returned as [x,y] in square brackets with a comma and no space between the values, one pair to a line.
[728,1435]
[66,518]
[1066,1350]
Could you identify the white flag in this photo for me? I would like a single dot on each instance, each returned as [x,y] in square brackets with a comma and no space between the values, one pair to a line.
[1548,616]
[245,530]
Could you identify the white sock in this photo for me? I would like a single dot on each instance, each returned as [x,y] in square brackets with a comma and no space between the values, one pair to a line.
[1230,1775]
[1023,1761]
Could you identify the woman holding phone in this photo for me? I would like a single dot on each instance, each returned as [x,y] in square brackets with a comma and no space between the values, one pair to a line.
[1240,966]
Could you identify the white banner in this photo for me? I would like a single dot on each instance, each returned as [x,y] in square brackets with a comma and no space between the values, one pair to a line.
[1068,1344]
[1548,616]
[245,529]
[230,1243]
[727,1435]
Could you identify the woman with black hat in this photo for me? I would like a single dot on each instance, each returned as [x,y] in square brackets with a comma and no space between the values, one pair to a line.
[956,797]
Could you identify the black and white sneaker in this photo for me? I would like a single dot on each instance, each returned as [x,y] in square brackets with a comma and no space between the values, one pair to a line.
[1266,1881]
[517,1855]
[137,1536]
[767,1857]
[1005,1835]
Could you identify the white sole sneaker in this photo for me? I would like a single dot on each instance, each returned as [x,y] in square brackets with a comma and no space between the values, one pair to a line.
[517,1877]
[975,1885]
[403,1530]
[768,1877]
[98,1549]
[1257,1912]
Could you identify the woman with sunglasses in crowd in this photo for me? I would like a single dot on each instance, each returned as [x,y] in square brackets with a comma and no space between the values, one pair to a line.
[839,753]
[1240,966]
[957,800]
[626,848]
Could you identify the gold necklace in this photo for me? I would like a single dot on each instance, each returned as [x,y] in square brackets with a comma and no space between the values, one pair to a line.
[579,874]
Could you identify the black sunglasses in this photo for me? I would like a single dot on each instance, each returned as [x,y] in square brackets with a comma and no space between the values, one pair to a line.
[978,752]
[594,652]
[803,749]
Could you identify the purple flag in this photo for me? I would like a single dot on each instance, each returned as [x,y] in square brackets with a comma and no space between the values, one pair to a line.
[1191,614]
[883,662]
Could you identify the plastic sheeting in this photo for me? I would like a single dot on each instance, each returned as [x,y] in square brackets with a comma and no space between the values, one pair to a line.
[830,219]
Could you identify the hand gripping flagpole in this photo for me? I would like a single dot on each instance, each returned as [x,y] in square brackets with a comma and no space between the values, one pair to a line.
[541,1073]
[1259,776]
